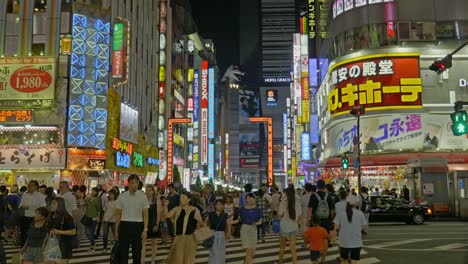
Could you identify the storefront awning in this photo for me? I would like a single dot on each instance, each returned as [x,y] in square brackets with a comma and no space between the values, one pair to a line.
[396,159]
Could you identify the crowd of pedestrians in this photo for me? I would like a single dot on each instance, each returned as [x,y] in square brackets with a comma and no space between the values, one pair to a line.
[48,227]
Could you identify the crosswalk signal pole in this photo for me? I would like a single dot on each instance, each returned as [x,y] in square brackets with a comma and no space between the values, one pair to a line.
[357,111]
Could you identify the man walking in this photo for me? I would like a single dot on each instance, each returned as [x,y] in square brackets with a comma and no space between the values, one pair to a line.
[321,204]
[70,206]
[131,223]
[103,197]
[30,202]
[305,199]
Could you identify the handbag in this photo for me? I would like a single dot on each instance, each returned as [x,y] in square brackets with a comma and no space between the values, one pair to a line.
[276,225]
[52,249]
[86,220]
[208,243]
[114,256]
[202,233]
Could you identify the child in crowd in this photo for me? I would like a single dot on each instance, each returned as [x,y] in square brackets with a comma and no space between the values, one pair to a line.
[317,237]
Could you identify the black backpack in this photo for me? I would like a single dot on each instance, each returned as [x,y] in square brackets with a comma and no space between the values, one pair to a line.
[365,203]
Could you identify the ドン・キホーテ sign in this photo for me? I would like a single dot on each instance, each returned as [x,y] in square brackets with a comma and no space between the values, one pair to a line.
[378,82]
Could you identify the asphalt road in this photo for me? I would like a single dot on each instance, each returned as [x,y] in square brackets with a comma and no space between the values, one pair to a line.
[430,243]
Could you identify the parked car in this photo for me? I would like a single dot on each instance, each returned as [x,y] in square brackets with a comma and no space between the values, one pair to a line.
[387,208]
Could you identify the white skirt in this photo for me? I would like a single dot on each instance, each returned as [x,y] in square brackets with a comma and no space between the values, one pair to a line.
[248,235]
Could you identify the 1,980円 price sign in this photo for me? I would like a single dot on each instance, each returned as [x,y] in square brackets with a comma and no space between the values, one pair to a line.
[27,78]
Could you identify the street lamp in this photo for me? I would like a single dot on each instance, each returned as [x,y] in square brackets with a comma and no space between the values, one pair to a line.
[445,63]
[358,111]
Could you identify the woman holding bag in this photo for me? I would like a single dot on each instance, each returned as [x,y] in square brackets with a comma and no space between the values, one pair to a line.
[62,226]
[185,218]
[32,250]
[218,221]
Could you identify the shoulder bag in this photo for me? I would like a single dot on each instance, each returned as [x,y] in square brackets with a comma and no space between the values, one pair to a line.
[208,243]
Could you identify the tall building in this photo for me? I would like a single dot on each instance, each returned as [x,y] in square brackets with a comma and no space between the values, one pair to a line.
[380,53]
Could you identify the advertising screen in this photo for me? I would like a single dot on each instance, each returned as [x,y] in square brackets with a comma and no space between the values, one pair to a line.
[204,113]
[272,97]
[128,124]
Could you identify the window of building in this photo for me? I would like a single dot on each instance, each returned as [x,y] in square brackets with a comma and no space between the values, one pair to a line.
[12,27]
[446,30]
[461,28]
[39,27]
[417,31]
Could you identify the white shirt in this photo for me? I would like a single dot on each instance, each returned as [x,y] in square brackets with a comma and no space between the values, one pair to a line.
[33,201]
[275,201]
[70,201]
[350,233]
[109,214]
[305,198]
[132,206]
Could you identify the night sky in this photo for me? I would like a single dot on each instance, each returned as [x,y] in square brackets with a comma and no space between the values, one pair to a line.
[219,20]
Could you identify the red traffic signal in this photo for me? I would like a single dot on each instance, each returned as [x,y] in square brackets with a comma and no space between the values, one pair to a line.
[357,111]
[440,66]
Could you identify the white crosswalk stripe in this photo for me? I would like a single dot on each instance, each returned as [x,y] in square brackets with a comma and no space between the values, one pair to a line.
[265,253]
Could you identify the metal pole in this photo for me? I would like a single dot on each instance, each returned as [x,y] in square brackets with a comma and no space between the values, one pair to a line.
[459,48]
[359,153]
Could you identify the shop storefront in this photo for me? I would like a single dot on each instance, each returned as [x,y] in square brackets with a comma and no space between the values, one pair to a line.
[21,165]
[85,167]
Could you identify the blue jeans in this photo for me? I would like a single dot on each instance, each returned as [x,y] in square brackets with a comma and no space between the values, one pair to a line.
[106,227]
[89,231]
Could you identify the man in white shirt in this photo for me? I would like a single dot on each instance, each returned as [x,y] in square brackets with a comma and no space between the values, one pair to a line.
[70,199]
[30,202]
[131,223]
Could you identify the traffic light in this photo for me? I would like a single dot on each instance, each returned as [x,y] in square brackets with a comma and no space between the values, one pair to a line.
[459,125]
[357,111]
[440,66]
[345,163]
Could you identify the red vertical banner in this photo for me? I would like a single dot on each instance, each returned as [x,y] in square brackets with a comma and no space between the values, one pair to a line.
[204,113]
[117,64]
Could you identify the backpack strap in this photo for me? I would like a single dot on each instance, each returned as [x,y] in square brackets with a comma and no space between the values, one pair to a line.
[326,197]
[318,196]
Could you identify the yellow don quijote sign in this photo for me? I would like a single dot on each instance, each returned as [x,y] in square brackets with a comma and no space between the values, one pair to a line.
[378,82]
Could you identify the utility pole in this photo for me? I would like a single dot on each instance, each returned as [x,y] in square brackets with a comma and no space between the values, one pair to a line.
[357,111]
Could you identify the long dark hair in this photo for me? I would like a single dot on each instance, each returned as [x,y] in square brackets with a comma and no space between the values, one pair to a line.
[56,218]
[291,196]
[349,212]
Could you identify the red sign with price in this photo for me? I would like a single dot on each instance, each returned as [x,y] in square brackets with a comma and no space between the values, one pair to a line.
[31,78]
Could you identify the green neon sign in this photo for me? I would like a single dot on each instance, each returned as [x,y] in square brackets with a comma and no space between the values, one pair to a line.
[118,36]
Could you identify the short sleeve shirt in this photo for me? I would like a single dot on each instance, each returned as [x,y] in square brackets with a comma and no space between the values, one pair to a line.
[132,206]
[70,202]
[33,201]
[313,202]
[250,216]
[350,233]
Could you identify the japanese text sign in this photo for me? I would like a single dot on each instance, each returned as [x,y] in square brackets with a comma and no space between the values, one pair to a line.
[122,146]
[16,116]
[23,158]
[378,82]
[30,78]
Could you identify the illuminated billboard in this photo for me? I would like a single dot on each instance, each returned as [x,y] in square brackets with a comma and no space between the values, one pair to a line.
[29,80]
[89,78]
[204,113]
[211,104]
[377,82]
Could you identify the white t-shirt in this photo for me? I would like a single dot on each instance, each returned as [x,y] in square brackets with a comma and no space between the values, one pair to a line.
[33,201]
[340,207]
[109,214]
[70,201]
[287,224]
[350,233]
[305,198]
[132,206]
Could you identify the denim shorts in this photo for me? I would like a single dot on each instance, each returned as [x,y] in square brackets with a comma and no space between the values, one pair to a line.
[34,255]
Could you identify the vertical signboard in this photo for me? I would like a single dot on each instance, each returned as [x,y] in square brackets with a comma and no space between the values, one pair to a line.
[297,74]
[305,146]
[204,113]
[195,119]
[305,117]
[211,161]
[211,104]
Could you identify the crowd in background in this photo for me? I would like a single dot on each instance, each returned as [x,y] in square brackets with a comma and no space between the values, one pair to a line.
[34,214]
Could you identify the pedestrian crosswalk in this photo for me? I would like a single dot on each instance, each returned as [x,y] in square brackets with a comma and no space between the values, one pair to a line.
[265,253]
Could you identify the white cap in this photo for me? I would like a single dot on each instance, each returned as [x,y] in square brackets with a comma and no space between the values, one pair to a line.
[352,200]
